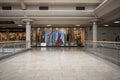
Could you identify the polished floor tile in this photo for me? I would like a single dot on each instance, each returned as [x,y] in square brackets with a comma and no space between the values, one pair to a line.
[57,64]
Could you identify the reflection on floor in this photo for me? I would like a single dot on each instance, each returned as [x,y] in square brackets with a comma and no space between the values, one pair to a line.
[57,64]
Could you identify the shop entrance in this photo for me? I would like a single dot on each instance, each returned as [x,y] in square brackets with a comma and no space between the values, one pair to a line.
[57,36]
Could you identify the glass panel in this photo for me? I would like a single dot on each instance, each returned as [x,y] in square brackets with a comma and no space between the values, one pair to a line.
[57,36]
[33,37]
[60,36]
[40,37]
[48,36]
[12,36]
[76,37]
[3,36]
[68,37]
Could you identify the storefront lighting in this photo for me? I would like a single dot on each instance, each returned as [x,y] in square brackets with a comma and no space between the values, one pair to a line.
[49,25]
[116,22]
[74,28]
[20,25]
[56,28]
[77,25]
[106,25]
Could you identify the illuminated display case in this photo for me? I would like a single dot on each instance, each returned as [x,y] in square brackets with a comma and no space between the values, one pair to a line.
[46,36]
[12,34]
[57,36]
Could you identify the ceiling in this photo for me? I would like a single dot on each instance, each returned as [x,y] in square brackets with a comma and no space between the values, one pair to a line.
[66,16]
[31,2]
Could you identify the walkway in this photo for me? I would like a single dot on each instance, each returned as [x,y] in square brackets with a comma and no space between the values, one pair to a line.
[57,64]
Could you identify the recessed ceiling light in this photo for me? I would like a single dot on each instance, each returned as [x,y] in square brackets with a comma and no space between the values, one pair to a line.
[20,25]
[49,25]
[74,28]
[106,25]
[116,22]
[77,25]
[56,28]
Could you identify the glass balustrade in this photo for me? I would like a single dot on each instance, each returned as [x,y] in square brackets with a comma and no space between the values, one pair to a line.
[106,49]
[11,47]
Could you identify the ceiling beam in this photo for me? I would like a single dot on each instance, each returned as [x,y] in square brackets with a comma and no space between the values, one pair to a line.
[22,3]
[47,17]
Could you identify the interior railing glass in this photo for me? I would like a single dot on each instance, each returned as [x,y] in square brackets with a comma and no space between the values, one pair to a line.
[8,48]
[107,49]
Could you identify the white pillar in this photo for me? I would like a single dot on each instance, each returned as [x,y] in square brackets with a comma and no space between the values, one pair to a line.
[28,34]
[94,35]
[95,21]
[94,31]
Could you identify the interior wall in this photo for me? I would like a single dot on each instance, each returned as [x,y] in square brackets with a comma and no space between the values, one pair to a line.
[0,7]
[88,33]
[61,7]
[104,33]
[108,33]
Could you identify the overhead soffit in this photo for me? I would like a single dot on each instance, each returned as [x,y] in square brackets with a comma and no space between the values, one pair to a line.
[41,25]
[37,2]
[52,2]
[63,1]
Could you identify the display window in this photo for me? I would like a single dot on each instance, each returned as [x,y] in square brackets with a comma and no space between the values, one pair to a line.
[46,36]
[9,34]
[57,36]
[3,36]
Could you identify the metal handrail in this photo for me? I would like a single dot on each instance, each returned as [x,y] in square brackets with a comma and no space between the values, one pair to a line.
[11,47]
[12,41]
[112,42]
[109,49]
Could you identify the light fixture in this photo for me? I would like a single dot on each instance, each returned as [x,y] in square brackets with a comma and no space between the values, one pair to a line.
[56,28]
[106,25]
[74,28]
[49,25]
[20,25]
[77,25]
[116,22]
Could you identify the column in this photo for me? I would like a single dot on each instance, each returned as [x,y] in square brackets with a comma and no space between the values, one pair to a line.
[28,34]
[94,31]
[94,34]
[95,21]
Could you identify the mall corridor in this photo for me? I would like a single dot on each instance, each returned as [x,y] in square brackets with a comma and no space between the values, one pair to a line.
[57,63]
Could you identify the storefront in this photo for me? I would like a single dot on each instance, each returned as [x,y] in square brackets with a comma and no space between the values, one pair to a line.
[57,36]
[12,34]
[45,36]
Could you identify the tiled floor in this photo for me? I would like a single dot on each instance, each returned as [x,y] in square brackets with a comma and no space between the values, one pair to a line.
[57,64]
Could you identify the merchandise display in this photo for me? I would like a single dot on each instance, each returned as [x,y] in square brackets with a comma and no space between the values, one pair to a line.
[46,36]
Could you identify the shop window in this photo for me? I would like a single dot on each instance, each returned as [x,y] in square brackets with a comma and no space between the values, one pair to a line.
[56,37]
[12,34]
